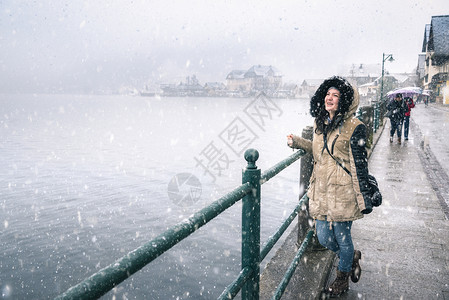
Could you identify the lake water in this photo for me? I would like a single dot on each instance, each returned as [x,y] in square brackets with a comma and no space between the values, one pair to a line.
[85,179]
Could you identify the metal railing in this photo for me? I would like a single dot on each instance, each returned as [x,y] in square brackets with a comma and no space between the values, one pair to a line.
[248,280]
[372,116]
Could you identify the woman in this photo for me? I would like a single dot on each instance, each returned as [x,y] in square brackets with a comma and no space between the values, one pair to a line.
[339,189]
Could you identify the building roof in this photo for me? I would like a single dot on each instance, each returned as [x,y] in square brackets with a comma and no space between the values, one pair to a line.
[392,77]
[369,84]
[401,77]
[236,74]
[262,71]
[426,38]
[312,82]
[439,35]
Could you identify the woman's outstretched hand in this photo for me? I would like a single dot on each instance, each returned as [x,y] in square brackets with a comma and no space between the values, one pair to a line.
[290,140]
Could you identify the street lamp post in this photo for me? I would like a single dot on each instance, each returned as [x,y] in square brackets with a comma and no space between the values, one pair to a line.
[384,58]
[379,106]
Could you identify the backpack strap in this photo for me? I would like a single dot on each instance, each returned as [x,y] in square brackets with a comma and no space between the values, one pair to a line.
[333,143]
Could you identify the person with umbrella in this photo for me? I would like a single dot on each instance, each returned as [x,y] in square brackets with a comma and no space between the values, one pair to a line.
[410,105]
[396,112]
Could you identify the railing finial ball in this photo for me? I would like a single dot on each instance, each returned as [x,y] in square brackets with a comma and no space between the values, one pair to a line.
[251,156]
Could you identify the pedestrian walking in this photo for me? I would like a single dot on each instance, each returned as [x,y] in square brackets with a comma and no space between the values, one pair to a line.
[396,112]
[410,105]
[337,198]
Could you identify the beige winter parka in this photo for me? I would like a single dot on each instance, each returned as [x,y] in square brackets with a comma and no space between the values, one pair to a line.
[332,192]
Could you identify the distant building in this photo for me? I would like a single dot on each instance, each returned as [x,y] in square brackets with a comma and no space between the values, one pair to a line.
[371,91]
[288,90]
[309,86]
[405,79]
[264,78]
[236,81]
[191,87]
[217,89]
[436,49]
[257,78]
[368,90]
[360,74]
[421,68]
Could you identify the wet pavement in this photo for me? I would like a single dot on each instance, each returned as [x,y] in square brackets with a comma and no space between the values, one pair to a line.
[433,123]
[405,241]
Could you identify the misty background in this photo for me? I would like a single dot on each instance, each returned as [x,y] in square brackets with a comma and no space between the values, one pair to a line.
[103,46]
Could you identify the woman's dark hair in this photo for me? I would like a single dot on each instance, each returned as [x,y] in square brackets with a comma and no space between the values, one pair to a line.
[318,109]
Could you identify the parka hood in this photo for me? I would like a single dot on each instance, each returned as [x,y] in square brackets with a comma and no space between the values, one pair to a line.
[349,99]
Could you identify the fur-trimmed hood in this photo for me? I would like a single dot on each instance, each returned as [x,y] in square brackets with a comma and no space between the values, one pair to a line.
[349,99]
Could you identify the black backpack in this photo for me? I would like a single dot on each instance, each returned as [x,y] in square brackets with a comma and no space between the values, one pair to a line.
[376,196]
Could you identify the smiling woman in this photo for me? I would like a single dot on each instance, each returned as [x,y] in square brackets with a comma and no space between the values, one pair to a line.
[331,101]
[339,186]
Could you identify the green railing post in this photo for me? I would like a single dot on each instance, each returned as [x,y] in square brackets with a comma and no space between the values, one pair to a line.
[376,116]
[306,169]
[382,109]
[251,226]
[358,114]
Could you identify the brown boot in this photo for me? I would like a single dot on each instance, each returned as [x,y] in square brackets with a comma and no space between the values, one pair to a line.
[356,271]
[340,284]
[399,140]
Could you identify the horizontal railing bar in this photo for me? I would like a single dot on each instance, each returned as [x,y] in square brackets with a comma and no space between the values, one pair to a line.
[107,278]
[277,168]
[291,269]
[234,288]
[272,240]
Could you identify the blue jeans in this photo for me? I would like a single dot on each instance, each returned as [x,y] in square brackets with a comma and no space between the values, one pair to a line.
[396,126]
[406,126]
[337,239]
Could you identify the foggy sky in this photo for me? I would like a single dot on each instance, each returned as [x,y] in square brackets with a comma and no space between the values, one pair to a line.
[92,46]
